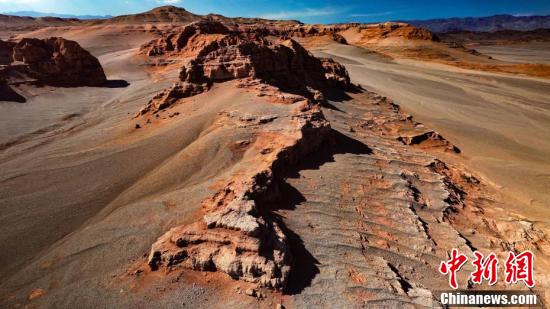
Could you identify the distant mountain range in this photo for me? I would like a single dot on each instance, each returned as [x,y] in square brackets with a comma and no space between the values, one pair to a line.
[172,14]
[40,14]
[484,24]
[163,14]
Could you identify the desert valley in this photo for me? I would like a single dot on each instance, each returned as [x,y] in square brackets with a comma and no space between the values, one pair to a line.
[177,160]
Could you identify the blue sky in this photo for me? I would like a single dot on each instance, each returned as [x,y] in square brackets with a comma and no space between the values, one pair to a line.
[310,11]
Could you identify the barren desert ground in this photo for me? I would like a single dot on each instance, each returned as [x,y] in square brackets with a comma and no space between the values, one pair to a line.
[500,121]
[531,52]
[211,162]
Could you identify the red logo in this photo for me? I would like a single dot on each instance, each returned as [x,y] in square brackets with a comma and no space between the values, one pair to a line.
[518,268]
[452,266]
[485,268]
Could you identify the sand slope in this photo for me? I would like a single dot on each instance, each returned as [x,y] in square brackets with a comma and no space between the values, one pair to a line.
[501,122]
[84,192]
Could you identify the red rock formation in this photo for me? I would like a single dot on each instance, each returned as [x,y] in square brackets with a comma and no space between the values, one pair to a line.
[313,31]
[8,94]
[367,33]
[427,138]
[169,96]
[335,73]
[237,234]
[176,41]
[406,31]
[215,53]
[284,63]
[6,52]
[59,62]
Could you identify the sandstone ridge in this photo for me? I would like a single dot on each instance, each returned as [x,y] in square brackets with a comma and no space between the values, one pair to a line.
[238,233]
[53,61]
[211,52]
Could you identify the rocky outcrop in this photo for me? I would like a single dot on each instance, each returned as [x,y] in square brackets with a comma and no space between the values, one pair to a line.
[316,31]
[427,139]
[178,40]
[238,234]
[410,32]
[284,63]
[169,96]
[53,61]
[7,93]
[58,62]
[6,52]
[163,14]
[335,73]
[372,33]
[214,53]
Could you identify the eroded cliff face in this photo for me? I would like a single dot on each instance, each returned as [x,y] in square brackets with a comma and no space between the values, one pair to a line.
[238,234]
[241,231]
[54,61]
[248,183]
[211,53]
[386,30]
[6,52]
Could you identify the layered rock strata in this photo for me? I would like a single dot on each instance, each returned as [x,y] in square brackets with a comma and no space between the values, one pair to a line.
[374,224]
[352,221]
[238,233]
[53,61]
[213,53]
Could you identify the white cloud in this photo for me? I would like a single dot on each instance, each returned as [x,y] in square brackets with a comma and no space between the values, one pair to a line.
[523,14]
[308,12]
[372,14]
[20,2]
[168,1]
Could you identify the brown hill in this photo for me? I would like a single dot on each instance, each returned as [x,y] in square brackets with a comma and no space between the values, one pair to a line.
[160,15]
[163,14]
[373,33]
[54,61]
[9,22]
[242,172]
[251,21]
[214,53]
[497,37]
[177,15]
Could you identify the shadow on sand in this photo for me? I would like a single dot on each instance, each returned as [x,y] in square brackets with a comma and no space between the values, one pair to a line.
[305,267]
[10,95]
[116,83]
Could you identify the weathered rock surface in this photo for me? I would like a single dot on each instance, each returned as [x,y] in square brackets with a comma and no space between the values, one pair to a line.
[54,61]
[313,31]
[370,32]
[371,226]
[238,234]
[427,138]
[214,53]
[169,96]
[178,40]
[6,52]
[7,93]
[59,62]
